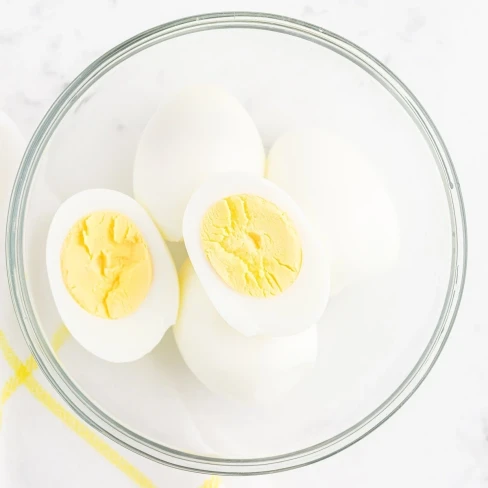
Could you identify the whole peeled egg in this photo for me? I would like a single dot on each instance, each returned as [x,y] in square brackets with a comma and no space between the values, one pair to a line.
[202,130]
[112,277]
[253,369]
[340,192]
[263,266]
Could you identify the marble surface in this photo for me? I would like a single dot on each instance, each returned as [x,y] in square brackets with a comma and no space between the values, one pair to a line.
[440,437]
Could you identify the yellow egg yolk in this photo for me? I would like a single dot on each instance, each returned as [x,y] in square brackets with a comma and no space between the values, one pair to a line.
[252,245]
[106,265]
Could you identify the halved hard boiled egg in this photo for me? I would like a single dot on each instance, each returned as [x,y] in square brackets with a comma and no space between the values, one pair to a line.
[342,195]
[112,277]
[261,264]
[256,369]
[201,130]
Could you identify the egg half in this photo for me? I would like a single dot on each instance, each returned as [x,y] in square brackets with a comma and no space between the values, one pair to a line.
[342,195]
[202,130]
[256,369]
[112,277]
[261,264]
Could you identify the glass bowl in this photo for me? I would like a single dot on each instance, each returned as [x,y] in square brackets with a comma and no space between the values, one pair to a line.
[378,339]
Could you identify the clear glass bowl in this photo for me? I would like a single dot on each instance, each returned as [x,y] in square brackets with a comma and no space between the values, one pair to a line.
[378,339]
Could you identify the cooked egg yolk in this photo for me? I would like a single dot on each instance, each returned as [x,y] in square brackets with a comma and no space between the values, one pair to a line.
[106,265]
[252,245]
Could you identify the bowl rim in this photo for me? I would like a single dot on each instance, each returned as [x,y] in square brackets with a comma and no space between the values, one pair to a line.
[38,343]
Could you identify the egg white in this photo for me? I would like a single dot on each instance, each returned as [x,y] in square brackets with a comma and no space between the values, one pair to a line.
[296,309]
[201,130]
[341,194]
[256,369]
[128,338]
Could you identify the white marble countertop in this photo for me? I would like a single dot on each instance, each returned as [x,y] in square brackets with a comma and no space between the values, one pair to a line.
[439,439]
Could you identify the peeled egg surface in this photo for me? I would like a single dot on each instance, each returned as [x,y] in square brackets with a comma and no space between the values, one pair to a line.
[256,369]
[285,312]
[341,193]
[130,337]
[201,130]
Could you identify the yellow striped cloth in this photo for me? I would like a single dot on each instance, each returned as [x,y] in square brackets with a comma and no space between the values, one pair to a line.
[42,443]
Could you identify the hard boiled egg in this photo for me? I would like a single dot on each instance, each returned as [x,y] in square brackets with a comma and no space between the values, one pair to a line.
[201,130]
[261,264]
[341,193]
[256,369]
[111,275]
